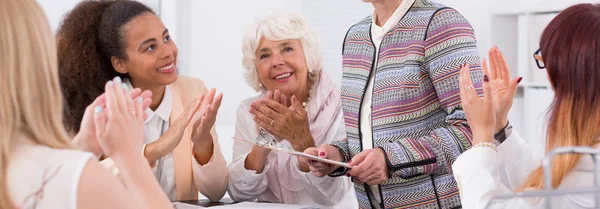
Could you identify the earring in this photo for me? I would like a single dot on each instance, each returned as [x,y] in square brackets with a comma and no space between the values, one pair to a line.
[260,84]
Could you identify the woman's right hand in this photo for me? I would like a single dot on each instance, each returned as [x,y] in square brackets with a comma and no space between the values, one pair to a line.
[503,88]
[479,111]
[119,123]
[326,151]
[171,138]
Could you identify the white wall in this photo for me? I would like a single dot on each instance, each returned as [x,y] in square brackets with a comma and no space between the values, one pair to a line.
[55,10]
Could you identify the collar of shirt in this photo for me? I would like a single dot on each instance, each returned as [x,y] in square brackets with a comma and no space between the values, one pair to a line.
[164,108]
[380,31]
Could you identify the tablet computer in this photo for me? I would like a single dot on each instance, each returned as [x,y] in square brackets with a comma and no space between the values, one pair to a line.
[312,157]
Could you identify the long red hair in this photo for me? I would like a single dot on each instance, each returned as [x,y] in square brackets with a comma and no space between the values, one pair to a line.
[570,47]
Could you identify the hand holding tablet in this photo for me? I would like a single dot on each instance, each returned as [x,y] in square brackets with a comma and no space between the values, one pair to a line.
[316,158]
[281,147]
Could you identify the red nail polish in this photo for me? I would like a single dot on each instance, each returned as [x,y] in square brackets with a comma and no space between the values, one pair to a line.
[519,81]
[347,174]
[321,154]
[485,78]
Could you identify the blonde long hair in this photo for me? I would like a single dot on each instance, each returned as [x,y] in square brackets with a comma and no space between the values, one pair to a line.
[30,98]
[571,51]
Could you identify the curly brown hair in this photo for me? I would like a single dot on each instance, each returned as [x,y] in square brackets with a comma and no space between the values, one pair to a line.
[87,38]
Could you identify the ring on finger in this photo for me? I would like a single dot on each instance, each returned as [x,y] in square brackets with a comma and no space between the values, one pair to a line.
[469,87]
[272,122]
[370,178]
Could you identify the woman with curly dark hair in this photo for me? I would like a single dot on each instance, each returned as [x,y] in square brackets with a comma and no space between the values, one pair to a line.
[99,40]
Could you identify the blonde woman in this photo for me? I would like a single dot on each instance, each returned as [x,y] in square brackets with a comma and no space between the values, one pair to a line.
[38,167]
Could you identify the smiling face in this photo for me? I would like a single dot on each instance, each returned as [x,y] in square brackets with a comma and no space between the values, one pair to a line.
[151,54]
[281,65]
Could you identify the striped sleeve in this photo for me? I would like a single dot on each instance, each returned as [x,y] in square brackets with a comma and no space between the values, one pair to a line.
[449,42]
[342,146]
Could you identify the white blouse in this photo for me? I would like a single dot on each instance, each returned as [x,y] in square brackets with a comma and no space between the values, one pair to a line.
[481,173]
[281,180]
[366,128]
[43,178]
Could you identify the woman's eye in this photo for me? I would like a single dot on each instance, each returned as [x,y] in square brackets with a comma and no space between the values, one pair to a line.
[150,48]
[166,39]
[287,49]
[264,56]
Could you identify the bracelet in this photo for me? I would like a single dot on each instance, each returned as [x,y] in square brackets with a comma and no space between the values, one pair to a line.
[487,144]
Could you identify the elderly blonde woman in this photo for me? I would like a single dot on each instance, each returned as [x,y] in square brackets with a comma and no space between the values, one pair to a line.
[298,105]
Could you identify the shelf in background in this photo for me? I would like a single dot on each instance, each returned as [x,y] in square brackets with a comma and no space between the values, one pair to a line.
[533,6]
[535,85]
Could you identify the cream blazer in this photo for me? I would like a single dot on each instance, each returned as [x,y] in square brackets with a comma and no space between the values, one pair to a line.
[191,177]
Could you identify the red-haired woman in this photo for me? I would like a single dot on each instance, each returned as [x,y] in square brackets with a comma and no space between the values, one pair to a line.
[570,46]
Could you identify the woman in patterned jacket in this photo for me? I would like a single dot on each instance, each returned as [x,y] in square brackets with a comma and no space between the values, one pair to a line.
[401,103]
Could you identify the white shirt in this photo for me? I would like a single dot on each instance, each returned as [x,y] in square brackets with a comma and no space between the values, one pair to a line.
[481,173]
[281,180]
[377,34]
[155,126]
[45,178]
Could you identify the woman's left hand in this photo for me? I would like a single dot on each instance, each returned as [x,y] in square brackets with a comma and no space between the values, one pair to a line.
[283,122]
[479,111]
[86,137]
[503,87]
[370,167]
[203,122]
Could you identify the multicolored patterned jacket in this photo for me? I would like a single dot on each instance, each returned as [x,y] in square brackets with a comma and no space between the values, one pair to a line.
[417,117]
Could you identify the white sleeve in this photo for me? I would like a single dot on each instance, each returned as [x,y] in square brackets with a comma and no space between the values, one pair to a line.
[327,191]
[244,185]
[517,161]
[477,173]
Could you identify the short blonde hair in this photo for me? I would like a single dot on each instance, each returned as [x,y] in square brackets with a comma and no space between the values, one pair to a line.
[30,96]
[276,27]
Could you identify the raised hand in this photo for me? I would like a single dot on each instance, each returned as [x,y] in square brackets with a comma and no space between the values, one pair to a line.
[203,121]
[171,138]
[503,88]
[205,118]
[86,137]
[479,111]
[119,123]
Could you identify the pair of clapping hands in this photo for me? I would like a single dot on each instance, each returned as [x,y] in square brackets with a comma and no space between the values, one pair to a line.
[113,124]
